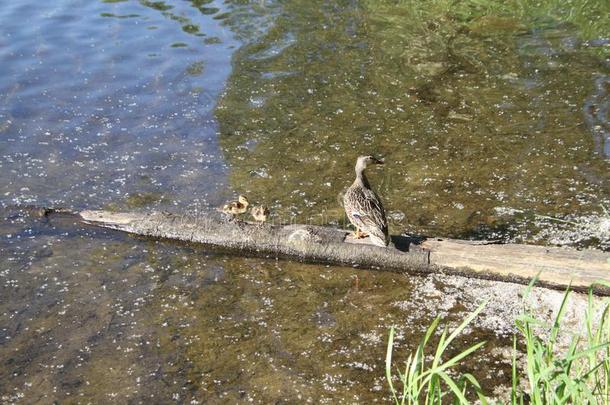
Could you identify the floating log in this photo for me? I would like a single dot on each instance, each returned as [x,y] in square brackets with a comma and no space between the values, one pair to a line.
[308,243]
[555,267]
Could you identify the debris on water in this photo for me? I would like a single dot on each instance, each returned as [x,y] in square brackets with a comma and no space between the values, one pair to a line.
[568,230]
[260,172]
[576,230]
[396,215]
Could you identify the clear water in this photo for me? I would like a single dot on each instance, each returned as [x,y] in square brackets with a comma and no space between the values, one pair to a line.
[485,125]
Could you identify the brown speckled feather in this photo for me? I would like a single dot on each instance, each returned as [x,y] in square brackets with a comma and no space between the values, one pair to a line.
[365,210]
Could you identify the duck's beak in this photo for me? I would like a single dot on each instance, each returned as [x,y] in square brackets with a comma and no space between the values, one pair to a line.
[377,161]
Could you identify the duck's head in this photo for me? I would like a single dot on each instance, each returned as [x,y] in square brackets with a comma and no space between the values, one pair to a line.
[364,161]
[243,200]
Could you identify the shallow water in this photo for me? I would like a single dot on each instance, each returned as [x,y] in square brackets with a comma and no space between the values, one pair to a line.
[473,121]
[488,127]
[97,316]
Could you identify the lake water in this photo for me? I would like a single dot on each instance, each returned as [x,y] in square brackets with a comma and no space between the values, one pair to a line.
[490,127]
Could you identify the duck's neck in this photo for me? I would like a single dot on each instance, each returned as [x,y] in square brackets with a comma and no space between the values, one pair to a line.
[361,178]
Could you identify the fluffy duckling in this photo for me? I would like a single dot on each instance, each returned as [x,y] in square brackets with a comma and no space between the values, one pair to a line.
[260,213]
[236,207]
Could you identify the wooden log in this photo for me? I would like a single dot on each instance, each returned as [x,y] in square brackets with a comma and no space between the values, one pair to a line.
[304,242]
[555,267]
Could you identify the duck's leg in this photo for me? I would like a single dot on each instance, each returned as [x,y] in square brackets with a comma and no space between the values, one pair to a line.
[359,234]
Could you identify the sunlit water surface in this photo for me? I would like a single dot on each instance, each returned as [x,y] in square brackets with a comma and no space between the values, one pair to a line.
[487,128]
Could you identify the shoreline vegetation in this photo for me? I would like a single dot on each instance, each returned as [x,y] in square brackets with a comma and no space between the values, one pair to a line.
[544,370]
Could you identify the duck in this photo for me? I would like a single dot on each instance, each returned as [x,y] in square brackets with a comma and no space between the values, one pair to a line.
[260,213]
[236,207]
[364,208]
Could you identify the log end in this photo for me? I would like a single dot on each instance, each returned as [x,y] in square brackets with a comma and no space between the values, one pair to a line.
[107,218]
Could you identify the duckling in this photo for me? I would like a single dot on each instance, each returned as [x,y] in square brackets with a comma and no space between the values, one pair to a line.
[364,208]
[260,213]
[236,207]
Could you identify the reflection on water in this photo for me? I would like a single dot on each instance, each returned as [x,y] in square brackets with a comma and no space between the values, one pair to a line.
[108,106]
[182,104]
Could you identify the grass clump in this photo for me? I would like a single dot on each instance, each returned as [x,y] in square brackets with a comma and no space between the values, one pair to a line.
[579,374]
[429,382]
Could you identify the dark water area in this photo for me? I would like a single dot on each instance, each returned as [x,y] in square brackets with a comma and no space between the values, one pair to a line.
[491,126]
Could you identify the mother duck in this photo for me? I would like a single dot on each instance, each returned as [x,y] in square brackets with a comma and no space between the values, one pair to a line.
[363,206]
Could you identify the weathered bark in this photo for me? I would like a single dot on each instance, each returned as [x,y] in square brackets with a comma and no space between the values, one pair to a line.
[555,267]
[305,242]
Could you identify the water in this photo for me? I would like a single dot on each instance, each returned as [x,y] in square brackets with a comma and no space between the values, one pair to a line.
[91,316]
[116,102]
[485,126]
[470,125]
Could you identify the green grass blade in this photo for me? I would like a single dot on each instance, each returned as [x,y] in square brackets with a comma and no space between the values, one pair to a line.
[454,388]
[454,360]
[515,378]
[464,323]
[557,321]
[477,387]
[388,365]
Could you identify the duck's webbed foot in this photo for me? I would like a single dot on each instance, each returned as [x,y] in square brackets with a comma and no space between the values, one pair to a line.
[359,234]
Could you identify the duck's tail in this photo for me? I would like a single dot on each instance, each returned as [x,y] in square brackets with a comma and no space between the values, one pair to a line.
[379,240]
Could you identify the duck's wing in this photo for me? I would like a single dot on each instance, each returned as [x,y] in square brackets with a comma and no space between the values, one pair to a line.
[366,211]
